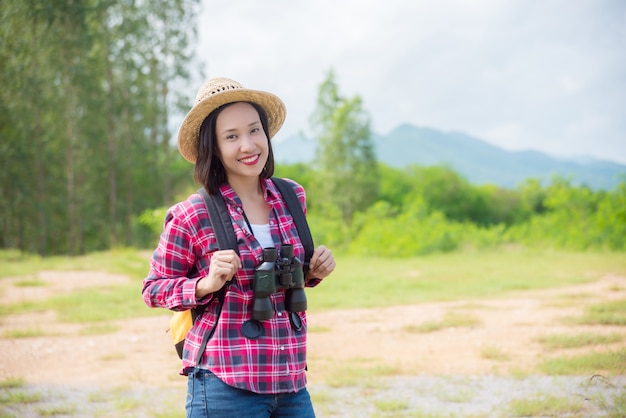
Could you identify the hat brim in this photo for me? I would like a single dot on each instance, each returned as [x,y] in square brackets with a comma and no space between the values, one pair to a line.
[189,132]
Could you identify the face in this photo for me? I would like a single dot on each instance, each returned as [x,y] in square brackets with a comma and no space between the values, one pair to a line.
[241,142]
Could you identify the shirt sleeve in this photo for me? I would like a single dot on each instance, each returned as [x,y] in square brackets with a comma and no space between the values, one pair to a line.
[168,285]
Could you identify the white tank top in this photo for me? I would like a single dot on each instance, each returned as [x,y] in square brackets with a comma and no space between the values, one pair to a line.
[263,234]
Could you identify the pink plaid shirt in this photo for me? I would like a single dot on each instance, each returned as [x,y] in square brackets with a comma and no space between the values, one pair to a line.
[276,361]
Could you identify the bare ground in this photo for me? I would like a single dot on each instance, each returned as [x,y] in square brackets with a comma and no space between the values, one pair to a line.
[139,356]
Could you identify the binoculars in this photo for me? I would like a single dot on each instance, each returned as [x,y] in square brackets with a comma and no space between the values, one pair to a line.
[275,274]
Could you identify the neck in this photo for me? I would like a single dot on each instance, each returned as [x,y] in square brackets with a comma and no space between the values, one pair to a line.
[246,188]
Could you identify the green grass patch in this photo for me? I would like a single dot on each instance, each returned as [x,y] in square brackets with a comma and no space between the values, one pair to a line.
[128,261]
[618,408]
[607,313]
[12,383]
[491,352]
[561,341]
[15,397]
[611,362]
[568,300]
[547,406]
[450,320]
[30,282]
[318,328]
[356,283]
[25,333]
[391,406]
[380,282]
[355,373]
[56,410]
[170,410]
[90,305]
[113,357]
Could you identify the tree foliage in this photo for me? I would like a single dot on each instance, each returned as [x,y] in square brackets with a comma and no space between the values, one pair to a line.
[88,164]
[85,103]
[421,210]
[346,162]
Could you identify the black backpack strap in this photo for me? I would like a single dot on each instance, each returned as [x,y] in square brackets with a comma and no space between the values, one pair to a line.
[293,204]
[226,239]
[220,220]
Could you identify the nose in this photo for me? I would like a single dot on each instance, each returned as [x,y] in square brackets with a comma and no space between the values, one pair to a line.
[247,143]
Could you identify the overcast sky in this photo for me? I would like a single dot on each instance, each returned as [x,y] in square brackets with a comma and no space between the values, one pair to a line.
[548,75]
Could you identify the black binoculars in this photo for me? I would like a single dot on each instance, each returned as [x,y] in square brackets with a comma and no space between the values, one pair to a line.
[275,274]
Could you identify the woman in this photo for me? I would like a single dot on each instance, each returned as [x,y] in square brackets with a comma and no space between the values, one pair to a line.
[227,136]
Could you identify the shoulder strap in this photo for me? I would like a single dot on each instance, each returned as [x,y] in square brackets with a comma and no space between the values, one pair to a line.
[226,239]
[293,204]
[220,220]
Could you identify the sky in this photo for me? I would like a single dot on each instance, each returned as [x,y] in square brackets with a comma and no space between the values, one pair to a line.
[546,75]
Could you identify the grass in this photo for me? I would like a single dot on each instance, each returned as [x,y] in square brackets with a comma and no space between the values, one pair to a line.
[92,305]
[607,362]
[491,352]
[357,283]
[30,282]
[55,410]
[450,320]
[12,383]
[371,283]
[19,397]
[391,406]
[563,341]
[619,406]
[19,400]
[25,333]
[360,372]
[547,406]
[128,261]
[607,313]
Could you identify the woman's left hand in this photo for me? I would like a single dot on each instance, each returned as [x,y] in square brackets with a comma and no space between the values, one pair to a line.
[322,263]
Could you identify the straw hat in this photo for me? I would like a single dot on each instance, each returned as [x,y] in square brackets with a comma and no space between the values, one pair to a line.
[215,93]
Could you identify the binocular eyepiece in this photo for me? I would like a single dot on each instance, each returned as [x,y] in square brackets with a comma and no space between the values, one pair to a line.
[275,274]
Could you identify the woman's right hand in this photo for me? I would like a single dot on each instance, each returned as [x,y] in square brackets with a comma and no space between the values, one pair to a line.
[224,265]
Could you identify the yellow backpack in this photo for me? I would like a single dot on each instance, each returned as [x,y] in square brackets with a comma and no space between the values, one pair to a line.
[180,324]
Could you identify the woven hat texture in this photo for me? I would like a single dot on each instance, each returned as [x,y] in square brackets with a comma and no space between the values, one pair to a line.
[217,92]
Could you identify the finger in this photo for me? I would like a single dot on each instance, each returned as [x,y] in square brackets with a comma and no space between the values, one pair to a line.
[323,269]
[315,259]
[324,259]
[228,256]
[231,257]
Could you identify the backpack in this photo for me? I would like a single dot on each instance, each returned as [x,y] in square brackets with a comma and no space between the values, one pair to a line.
[181,322]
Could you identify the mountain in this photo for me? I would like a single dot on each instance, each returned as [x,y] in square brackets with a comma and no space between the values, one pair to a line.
[478,161]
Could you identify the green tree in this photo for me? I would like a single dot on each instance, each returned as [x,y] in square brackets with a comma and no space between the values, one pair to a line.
[346,166]
[84,115]
[447,191]
[394,185]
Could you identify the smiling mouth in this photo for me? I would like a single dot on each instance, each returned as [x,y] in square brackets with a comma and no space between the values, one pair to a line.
[250,160]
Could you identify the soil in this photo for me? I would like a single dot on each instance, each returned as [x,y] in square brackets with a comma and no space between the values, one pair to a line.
[500,340]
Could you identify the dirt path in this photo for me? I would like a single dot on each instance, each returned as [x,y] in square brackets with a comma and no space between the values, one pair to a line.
[503,338]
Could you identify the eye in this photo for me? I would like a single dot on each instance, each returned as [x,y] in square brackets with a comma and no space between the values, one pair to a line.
[255,130]
[231,137]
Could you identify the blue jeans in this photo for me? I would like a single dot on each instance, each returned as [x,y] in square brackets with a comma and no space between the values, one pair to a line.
[208,397]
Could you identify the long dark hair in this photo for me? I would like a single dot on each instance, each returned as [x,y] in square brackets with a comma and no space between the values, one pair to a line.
[209,170]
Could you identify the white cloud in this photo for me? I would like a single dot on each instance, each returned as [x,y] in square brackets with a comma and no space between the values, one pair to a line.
[547,75]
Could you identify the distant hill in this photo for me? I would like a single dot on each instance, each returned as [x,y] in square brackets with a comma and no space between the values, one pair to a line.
[478,161]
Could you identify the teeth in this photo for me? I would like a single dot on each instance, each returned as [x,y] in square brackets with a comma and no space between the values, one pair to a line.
[249,159]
